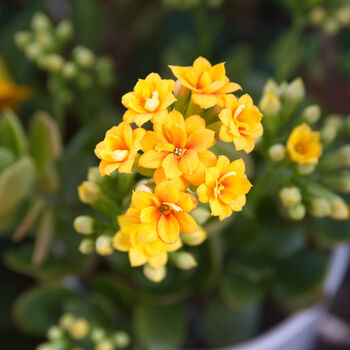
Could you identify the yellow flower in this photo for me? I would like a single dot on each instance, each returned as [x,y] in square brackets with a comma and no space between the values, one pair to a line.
[208,83]
[303,145]
[241,122]
[178,146]
[162,214]
[225,187]
[127,240]
[118,149]
[149,100]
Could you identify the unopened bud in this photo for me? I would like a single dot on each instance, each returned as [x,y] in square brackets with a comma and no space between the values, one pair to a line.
[297,212]
[104,245]
[66,321]
[317,15]
[84,57]
[87,246]
[194,238]
[277,152]
[154,275]
[98,334]
[343,15]
[22,39]
[104,345]
[339,209]
[311,114]
[290,196]
[319,207]
[201,215]
[64,30]
[295,91]
[331,26]
[53,63]
[84,224]
[271,87]
[270,104]
[45,40]
[306,169]
[94,174]
[33,51]
[89,192]
[44,346]
[339,181]
[54,333]
[184,260]
[121,339]
[337,159]
[79,329]
[69,70]
[40,22]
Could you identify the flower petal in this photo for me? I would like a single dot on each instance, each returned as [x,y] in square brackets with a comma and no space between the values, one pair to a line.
[168,229]
[147,232]
[137,257]
[170,166]
[186,222]
[152,159]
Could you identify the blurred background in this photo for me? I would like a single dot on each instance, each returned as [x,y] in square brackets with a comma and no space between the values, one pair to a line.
[257,39]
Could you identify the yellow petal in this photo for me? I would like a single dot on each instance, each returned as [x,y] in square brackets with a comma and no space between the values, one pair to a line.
[152,159]
[201,65]
[159,260]
[137,257]
[170,166]
[149,214]
[189,162]
[121,242]
[186,222]
[147,232]
[204,100]
[167,192]
[211,176]
[143,199]
[168,229]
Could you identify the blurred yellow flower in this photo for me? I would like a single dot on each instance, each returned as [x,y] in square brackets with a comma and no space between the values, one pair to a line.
[118,149]
[162,214]
[149,100]
[241,122]
[225,187]
[177,145]
[127,240]
[208,83]
[303,145]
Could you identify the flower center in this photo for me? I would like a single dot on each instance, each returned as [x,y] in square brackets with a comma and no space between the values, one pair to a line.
[178,152]
[153,103]
[164,209]
[120,155]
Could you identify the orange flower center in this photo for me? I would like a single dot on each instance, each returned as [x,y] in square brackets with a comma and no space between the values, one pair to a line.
[178,152]
[164,209]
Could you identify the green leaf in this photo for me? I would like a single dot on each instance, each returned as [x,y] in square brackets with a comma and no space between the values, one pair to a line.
[330,232]
[160,327]
[224,326]
[16,182]
[6,158]
[39,308]
[44,140]
[12,134]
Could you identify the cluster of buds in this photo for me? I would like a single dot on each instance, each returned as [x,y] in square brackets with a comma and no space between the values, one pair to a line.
[45,43]
[167,136]
[78,333]
[311,165]
[331,17]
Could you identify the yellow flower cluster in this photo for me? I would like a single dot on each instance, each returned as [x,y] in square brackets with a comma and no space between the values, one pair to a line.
[175,148]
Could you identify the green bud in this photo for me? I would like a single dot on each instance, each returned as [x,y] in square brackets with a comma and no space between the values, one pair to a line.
[64,30]
[194,238]
[69,70]
[94,174]
[290,196]
[89,192]
[331,26]
[184,260]
[66,321]
[44,346]
[84,224]
[317,15]
[337,159]
[311,114]
[270,104]
[295,91]
[339,209]
[79,328]
[343,15]
[22,39]
[271,87]
[154,275]
[319,207]
[84,57]
[54,333]
[306,169]
[121,339]
[87,246]
[98,334]
[104,345]
[40,22]
[277,152]
[104,245]
[297,212]
[201,215]
[33,51]
[45,40]
[53,63]
[339,181]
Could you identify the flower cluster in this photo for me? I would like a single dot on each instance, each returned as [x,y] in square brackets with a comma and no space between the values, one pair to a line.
[168,133]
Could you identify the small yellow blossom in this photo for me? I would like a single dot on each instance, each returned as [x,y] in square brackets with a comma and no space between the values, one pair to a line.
[241,122]
[225,187]
[207,83]
[303,145]
[118,149]
[127,240]
[79,329]
[149,100]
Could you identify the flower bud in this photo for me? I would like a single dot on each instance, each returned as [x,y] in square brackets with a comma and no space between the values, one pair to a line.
[54,333]
[271,87]
[33,51]
[319,207]
[337,159]
[66,321]
[295,91]
[87,246]
[331,26]
[98,334]
[185,260]
[45,40]
[94,174]
[311,114]
[201,215]
[343,15]
[84,224]
[69,70]
[290,196]
[317,15]
[194,238]
[277,152]
[40,22]
[143,187]
[104,245]
[84,57]
[297,212]
[104,345]
[79,329]
[64,30]
[53,63]
[89,192]
[338,181]
[339,209]
[306,169]
[44,346]
[121,339]
[154,275]
[22,39]
[270,104]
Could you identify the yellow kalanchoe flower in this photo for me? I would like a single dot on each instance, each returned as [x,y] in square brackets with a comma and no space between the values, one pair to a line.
[303,145]
[178,146]
[118,149]
[225,187]
[162,214]
[149,100]
[208,83]
[241,122]
[127,240]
